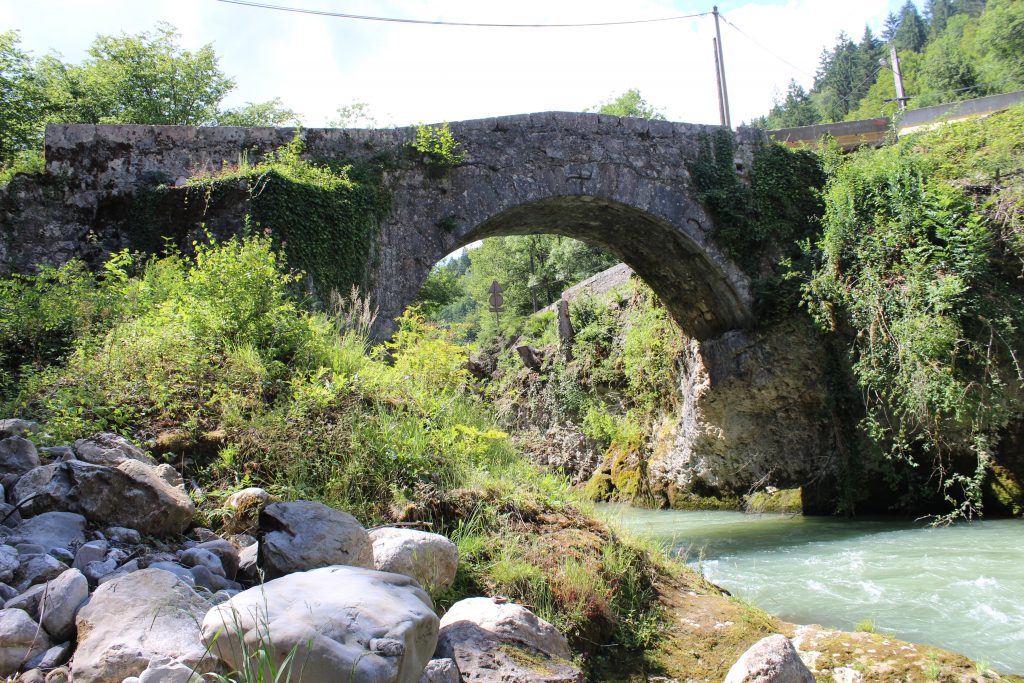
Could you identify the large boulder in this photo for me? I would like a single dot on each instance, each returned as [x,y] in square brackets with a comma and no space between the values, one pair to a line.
[51,530]
[305,535]
[134,619]
[429,558]
[110,450]
[770,660]
[373,626]
[132,494]
[17,455]
[21,639]
[495,642]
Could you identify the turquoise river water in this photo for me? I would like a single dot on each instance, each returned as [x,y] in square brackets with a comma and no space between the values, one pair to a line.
[959,587]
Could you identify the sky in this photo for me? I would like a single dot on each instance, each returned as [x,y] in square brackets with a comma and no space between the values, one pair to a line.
[410,74]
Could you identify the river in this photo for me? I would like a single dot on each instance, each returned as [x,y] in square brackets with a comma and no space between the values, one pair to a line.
[959,587]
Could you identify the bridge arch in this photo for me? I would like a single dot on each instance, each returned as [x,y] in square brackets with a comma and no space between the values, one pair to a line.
[618,183]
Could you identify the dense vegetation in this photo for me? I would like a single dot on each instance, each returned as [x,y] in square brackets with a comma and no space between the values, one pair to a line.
[215,362]
[958,50]
[919,261]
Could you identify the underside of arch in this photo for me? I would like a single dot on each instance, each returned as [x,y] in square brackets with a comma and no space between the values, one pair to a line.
[699,295]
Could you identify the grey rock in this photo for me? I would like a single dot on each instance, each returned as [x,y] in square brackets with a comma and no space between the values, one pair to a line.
[123,535]
[9,515]
[305,535]
[35,569]
[135,619]
[21,640]
[248,569]
[58,655]
[28,601]
[440,671]
[204,535]
[30,549]
[95,571]
[93,551]
[8,563]
[130,494]
[63,597]
[62,554]
[57,453]
[126,568]
[7,592]
[429,558]
[17,455]
[13,426]
[32,675]
[225,552]
[770,660]
[174,568]
[495,642]
[165,670]
[196,557]
[202,577]
[110,450]
[380,627]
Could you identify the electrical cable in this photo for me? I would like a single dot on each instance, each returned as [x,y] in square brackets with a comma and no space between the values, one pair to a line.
[751,39]
[396,20]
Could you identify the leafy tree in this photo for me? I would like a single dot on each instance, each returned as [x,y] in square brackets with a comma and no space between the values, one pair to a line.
[936,14]
[146,78]
[795,110]
[1001,32]
[23,105]
[354,115]
[837,80]
[443,287]
[892,24]
[630,103]
[947,71]
[256,114]
[912,33]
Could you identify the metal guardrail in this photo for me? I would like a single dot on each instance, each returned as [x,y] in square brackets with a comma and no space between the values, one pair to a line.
[875,132]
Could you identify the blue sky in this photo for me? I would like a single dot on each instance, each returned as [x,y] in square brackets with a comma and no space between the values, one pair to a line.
[411,74]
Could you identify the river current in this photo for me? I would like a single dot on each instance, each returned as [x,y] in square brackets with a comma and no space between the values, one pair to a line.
[959,587]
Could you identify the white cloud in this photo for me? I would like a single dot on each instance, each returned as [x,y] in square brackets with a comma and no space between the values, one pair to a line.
[413,73]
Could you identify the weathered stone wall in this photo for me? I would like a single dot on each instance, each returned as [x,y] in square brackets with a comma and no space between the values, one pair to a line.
[615,182]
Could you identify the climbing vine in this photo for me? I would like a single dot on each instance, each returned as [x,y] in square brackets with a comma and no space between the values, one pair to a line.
[323,215]
[779,201]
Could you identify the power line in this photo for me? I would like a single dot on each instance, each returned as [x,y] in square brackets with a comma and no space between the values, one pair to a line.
[396,20]
[760,45]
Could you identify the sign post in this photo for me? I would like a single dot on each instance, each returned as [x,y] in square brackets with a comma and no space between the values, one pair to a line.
[497,302]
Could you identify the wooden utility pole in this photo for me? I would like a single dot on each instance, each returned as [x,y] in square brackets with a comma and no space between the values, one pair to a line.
[720,67]
[718,82]
[897,74]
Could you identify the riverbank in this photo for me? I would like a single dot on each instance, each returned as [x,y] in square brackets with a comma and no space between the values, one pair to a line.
[954,587]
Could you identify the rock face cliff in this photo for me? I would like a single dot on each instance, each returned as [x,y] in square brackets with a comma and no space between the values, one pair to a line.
[753,412]
[648,415]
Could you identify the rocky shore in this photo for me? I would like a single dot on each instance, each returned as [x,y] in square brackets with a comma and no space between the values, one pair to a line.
[105,580]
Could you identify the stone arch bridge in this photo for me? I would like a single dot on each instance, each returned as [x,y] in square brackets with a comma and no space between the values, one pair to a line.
[618,183]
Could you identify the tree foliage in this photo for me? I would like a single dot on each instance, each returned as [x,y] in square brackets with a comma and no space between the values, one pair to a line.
[958,50]
[145,78]
[630,103]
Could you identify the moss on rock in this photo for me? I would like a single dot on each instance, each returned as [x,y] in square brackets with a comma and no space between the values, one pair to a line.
[788,501]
